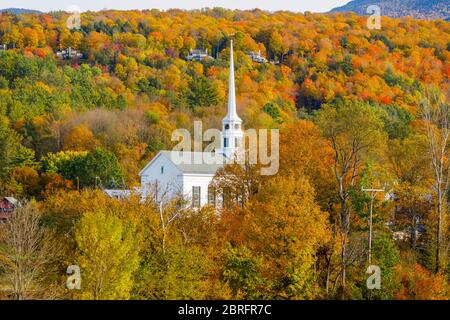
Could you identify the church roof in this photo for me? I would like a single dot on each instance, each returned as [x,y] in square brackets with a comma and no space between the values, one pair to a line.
[195,163]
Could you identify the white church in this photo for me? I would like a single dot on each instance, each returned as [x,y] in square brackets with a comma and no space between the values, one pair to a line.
[165,177]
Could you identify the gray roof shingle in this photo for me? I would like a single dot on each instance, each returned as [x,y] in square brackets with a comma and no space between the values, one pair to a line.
[195,163]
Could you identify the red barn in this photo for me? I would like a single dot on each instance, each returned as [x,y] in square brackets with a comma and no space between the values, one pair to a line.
[7,205]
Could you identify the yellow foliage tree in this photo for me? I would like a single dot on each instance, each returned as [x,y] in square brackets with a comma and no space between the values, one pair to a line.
[79,138]
[108,255]
[284,226]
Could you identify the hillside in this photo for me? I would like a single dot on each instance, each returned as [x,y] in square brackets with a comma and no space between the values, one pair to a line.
[137,61]
[420,9]
[20,11]
[348,103]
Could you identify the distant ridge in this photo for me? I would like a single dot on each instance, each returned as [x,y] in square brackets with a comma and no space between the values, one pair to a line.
[19,10]
[419,9]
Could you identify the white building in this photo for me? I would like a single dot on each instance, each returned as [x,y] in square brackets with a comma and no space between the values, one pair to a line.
[198,55]
[257,57]
[68,54]
[165,176]
[122,194]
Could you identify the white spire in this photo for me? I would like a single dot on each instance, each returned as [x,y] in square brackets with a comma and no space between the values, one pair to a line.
[232,114]
[232,134]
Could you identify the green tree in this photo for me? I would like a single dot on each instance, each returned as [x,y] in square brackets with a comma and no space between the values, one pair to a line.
[386,256]
[355,132]
[58,162]
[14,65]
[182,272]
[103,164]
[396,121]
[272,110]
[201,93]
[240,272]
[12,152]
[99,167]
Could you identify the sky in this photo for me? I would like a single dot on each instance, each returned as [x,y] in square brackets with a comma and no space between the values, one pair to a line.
[84,5]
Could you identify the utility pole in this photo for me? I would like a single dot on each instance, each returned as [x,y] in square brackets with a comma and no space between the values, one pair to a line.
[372,196]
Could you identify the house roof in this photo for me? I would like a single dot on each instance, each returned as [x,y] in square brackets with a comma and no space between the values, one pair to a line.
[121,193]
[192,162]
[11,200]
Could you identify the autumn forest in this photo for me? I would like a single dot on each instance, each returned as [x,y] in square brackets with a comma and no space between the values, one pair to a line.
[356,109]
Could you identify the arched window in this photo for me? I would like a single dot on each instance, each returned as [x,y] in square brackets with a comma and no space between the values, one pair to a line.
[227,127]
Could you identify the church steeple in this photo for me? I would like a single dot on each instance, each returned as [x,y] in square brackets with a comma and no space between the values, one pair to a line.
[232,133]
[232,114]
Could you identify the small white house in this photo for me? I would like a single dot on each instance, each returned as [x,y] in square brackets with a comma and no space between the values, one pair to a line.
[166,175]
[68,54]
[257,57]
[198,55]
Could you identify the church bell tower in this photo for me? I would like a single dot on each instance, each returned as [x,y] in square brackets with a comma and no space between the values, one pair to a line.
[232,134]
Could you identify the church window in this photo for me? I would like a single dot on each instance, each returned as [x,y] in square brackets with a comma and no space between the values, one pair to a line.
[155,190]
[196,197]
[236,126]
[225,142]
[226,197]
[227,127]
[211,196]
[162,169]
